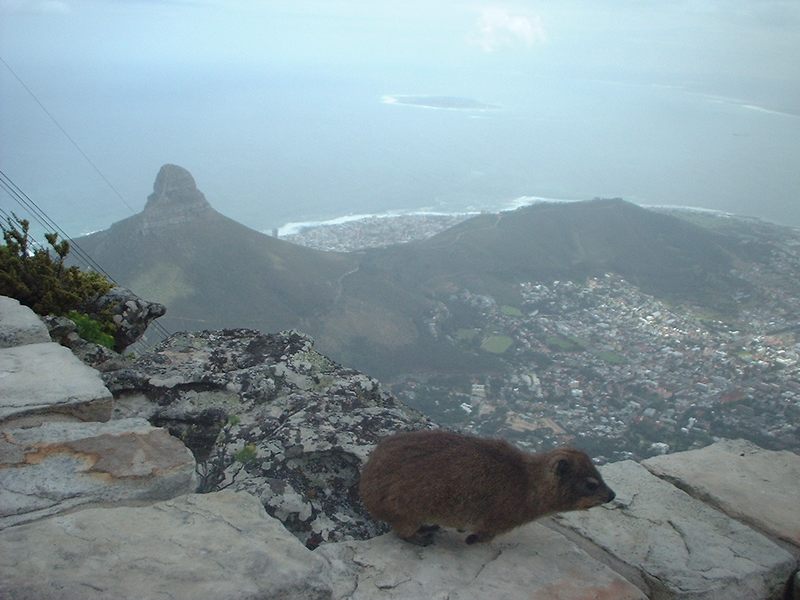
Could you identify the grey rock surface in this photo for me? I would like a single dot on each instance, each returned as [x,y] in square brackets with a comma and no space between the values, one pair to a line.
[47,377]
[62,330]
[676,546]
[57,466]
[19,325]
[531,562]
[751,484]
[221,546]
[269,415]
[99,357]
[131,315]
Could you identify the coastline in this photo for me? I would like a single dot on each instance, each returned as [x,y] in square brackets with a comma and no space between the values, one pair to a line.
[296,227]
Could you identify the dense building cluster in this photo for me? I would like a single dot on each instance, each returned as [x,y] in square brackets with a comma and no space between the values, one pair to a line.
[374,231]
[604,366]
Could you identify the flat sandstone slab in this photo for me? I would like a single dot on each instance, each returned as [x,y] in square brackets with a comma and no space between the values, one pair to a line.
[220,546]
[19,325]
[47,377]
[678,546]
[531,562]
[760,487]
[57,466]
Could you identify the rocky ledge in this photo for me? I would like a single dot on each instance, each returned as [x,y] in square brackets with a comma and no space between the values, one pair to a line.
[96,510]
[269,415]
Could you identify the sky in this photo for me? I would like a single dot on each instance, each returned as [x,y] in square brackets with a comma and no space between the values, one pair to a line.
[275,107]
[729,42]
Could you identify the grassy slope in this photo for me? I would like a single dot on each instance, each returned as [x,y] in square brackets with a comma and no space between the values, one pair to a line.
[214,272]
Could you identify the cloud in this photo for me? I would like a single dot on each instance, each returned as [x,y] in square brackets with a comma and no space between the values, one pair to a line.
[42,7]
[499,28]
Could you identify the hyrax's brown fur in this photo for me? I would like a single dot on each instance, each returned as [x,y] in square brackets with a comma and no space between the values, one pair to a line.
[419,480]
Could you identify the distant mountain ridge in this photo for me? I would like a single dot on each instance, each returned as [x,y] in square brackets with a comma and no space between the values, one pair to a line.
[662,254]
[370,309]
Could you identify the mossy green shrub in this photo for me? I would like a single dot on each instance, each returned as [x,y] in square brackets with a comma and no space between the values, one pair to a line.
[247,454]
[39,279]
[92,330]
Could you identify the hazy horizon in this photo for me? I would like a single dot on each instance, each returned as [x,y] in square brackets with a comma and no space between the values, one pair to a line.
[280,109]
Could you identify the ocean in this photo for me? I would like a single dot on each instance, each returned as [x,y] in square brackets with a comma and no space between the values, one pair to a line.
[280,147]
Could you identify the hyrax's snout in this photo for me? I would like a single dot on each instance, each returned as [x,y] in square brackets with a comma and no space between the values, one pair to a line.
[589,489]
[600,490]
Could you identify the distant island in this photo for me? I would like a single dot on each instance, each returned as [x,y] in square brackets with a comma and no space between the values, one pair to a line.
[440,102]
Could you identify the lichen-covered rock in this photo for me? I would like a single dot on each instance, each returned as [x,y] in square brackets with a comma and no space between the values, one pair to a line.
[62,330]
[269,415]
[130,314]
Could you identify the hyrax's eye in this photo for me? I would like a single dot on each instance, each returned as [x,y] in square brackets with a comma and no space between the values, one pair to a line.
[592,484]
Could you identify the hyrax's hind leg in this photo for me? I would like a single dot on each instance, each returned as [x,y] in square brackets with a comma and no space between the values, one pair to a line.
[413,533]
[479,536]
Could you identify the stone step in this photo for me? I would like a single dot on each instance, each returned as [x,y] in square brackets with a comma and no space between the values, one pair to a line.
[19,325]
[532,562]
[760,487]
[221,546]
[46,377]
[675,546]
[58,466]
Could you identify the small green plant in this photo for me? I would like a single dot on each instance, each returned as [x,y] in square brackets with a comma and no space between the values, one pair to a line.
[39,279]
[510,311]
[91,330]
[560,343]
[612,358]
[247,454]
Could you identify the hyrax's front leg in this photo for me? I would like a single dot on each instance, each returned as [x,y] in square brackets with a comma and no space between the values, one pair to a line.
[479,536]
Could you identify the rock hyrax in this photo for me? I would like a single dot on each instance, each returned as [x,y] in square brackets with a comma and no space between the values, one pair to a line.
[419,480]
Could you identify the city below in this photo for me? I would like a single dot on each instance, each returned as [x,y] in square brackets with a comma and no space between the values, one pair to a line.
[603,366]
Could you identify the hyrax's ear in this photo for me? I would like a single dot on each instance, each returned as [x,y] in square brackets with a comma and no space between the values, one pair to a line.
[562,467]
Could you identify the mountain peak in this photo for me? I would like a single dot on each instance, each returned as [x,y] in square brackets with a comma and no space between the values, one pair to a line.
[173,177]
[175,197]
